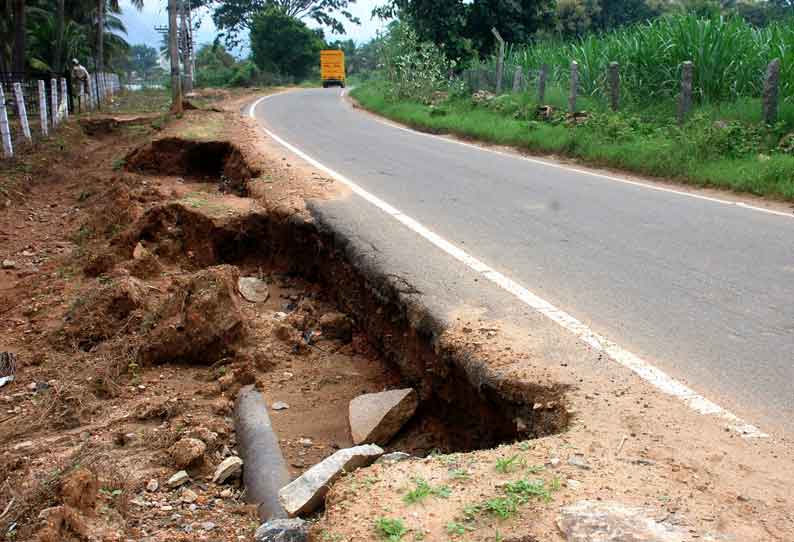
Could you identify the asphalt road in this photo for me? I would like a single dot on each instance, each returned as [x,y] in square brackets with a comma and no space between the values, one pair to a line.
[702,290]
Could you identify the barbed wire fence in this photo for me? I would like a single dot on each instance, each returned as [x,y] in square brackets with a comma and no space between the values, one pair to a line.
[31,109]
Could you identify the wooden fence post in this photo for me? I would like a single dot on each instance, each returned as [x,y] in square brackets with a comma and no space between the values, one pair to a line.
[43,108]
[54,101]
[64,99]
[518,80]
[22,111]
[544,69]
[614,85]
[500,63]
[5,130]
[574,87]
[685,101]
[771,91]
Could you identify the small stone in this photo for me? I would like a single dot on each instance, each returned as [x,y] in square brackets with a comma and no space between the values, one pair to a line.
[166,508]
[280,405]
[573,484]
[578,460]
[394,457]
[139,252]
[307,492]
[23,445]
[208,525]
[28,253]
[279,316]
[32,386]
[376,417]
[9,264]
[554,462]
[253,289]
[187,451]
[306,442]
[152,486]
[226,493]
[283,530]
[188,495]
[231,467]
[178,479]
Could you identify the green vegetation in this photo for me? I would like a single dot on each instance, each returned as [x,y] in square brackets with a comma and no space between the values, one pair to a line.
[424,490]
[508,464]
[391,530]
[283,44]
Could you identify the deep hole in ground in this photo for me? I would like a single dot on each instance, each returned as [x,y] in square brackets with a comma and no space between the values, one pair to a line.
[454,414]
[207,161]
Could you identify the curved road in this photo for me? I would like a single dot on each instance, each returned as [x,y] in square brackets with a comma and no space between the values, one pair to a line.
[701,289]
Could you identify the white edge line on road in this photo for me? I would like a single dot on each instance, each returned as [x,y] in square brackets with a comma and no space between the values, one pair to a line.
[645,370]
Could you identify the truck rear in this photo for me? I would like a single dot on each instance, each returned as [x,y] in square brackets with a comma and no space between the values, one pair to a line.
[332,67]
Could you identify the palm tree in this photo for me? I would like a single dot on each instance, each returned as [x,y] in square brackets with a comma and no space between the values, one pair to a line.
[102,7]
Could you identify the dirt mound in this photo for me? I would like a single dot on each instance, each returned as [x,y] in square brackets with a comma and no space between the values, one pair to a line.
[205,160]
[99,314]
[200,322]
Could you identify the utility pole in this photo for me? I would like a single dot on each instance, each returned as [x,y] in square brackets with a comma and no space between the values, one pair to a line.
[176,81]
[187,45]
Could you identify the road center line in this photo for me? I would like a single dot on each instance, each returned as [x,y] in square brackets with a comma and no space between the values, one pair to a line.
[645,370]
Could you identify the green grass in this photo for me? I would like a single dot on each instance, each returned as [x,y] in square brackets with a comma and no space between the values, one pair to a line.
[391,530]
[422,490]
[736,154]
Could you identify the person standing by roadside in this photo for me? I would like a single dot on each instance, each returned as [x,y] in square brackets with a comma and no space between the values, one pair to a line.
[80,77]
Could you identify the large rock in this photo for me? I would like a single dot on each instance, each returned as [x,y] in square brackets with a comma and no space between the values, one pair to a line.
[307,492]
[283,530]
[200,322]
[187,451]
[376,417]
[605,521]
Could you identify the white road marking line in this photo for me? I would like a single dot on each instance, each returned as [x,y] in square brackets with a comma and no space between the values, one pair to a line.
[658,378]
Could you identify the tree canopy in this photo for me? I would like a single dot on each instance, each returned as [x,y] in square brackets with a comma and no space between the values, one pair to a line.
[284,45]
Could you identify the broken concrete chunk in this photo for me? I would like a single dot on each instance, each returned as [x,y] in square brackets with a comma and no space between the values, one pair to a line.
[283,530]
[394,457]
[280,405]
[578,460]
[604,521]
[252,289]
[307,492]
[376,417]
[178,479]
[231,467]
[152,485]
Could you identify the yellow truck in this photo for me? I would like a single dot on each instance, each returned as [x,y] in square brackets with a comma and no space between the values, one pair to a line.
[332,67]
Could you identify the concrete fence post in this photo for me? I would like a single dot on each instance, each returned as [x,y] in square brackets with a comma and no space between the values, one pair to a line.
[544,70]
[22,111]
[64,99]
[500,62]
[54,101]
[685,100]
[614,85]
[518,79]
[45,129]
[5,129]
[574,86]
[771,82]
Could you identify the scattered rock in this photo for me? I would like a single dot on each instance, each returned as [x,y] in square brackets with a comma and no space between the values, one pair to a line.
[187,451]
[9,264]
[208,525]
[306,442]
[554,462]
[79,490]
[252,289]
[226,493]
[283,530]
[605,521]
[188,496]
[139,252]
[376,417]
[578,460]
[280,405]
[394,457]
[307,492]
[231,467]
[178,479]
[152,486]
[573,484]
[336,325]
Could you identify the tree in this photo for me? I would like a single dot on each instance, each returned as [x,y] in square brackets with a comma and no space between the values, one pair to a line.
[283,45]
[233,17]
[142,59]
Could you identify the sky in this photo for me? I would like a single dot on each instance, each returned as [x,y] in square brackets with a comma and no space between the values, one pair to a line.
[140,24]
